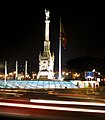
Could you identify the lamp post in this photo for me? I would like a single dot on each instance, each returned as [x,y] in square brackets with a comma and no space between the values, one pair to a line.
[5,74]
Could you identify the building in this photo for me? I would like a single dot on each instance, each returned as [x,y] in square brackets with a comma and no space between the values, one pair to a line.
[85,84]
[46,59]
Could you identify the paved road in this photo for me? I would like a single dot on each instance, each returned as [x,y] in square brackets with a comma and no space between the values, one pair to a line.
[51,109]
[72,112]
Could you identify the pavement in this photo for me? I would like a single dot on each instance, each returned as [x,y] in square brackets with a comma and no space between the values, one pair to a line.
[97,96]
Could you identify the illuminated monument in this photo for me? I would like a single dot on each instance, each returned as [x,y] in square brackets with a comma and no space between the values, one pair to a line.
[46,70]
[46,59]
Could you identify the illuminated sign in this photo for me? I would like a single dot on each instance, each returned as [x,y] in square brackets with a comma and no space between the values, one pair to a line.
[89,74]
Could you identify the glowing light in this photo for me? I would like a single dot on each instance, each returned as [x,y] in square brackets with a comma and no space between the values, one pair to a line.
[67,73]
[67,102]
[63,73]
[50,107]
[10,73]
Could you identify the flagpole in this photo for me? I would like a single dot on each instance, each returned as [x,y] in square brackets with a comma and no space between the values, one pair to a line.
[60,52]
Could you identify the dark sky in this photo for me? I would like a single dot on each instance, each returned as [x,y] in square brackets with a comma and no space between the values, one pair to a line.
[24,24]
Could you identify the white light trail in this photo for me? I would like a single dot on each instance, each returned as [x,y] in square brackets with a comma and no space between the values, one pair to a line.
[50,107]
[67,102]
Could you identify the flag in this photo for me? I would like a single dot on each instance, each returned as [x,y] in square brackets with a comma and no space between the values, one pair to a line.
[63,35]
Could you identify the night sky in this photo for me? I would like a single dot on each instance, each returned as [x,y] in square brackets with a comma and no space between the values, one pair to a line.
[24,30]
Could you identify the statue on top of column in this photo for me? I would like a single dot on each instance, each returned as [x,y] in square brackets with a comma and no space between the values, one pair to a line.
[47,14]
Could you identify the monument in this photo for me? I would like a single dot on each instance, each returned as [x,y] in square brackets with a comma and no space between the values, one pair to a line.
[46,70]
[46,59]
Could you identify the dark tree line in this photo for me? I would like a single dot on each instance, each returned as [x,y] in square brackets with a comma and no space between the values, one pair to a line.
[87,63]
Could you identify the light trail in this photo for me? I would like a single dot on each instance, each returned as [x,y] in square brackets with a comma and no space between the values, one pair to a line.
[50,107]
[67,102]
